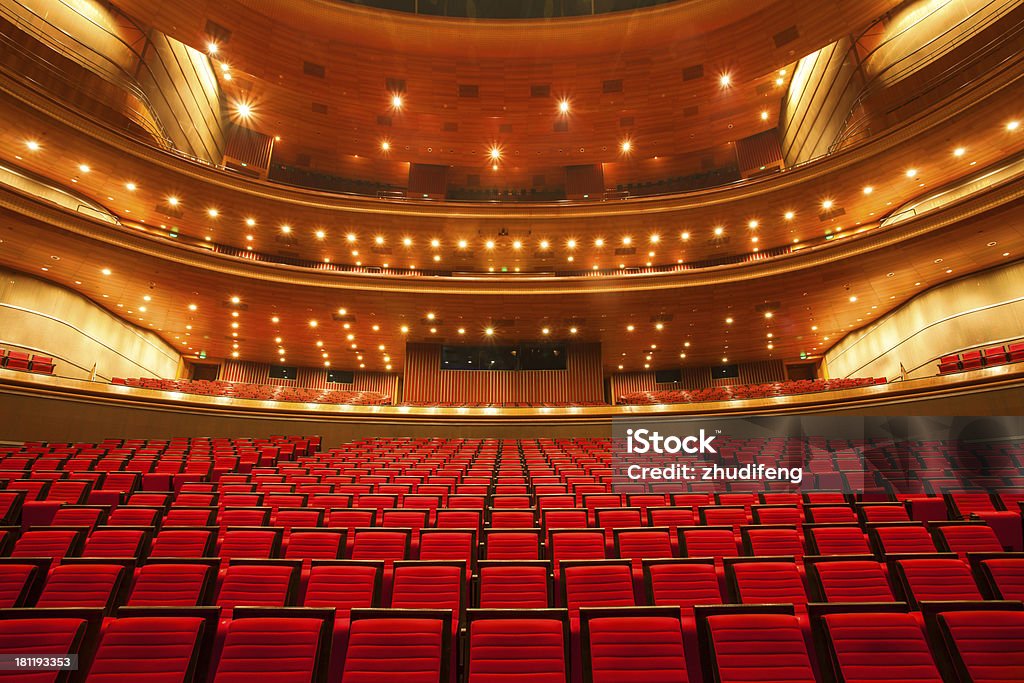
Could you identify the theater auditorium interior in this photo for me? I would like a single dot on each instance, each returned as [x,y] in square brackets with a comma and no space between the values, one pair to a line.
[511,341]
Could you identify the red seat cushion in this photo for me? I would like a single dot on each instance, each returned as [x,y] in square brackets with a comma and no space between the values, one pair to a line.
[394,649]
[880,647]
[990,643]
[768,648]
[269,650]
[154,649]
[39,637]
[516,651]
[628,649]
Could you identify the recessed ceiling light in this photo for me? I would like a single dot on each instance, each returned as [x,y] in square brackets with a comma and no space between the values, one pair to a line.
[789,215]
[684,236]
[489,331]
[728,321]
[385,146]
[84,168]
[659,326]
[32,145]
[725,80]
[106,271]
[546,330]
[571,243]
[827,204]
[868,189]
[572,330]
[350,237]
[655,238]
[959,152]
[853,299]
[286,229]
[719,230]
[131,187]
[911,172]
[563,106]
[517,245]
[495,153]
[396,101]
[626,146]
[764,116]
[243,110]
[630,328]
[489,244]
[1012,126]
[463,244]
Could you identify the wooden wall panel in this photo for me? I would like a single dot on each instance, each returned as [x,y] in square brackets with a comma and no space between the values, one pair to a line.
[425,381]
[755,372]
[307,378]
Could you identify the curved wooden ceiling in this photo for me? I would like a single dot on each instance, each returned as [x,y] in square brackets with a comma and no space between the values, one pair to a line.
[815,298]
[321,75]
[319,225]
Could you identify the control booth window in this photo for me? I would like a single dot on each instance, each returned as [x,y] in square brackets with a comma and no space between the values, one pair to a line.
[341,376]
[283,372]
[521,357]
[672,376]
[543,357]
[460,358]
[499,358]
[725,371]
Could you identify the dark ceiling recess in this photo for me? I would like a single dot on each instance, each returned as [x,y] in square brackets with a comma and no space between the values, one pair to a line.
[787,35]
[540,91]
[217,32]
[612,86]
[469,91]
[692,73]
[311,69]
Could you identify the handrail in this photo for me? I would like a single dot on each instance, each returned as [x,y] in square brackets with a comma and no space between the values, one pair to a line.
[113,72]
[852,128]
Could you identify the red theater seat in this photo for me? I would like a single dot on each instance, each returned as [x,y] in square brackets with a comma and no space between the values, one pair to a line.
[173,585]
[986,646]
[1004,575]
[930,579]
[183,543]
[411,646]
[742,647]
[344,585]
[278,649]
[517,647]
[83,585]
[41,636]
[20,580]
[682,582]
[849,580]
[514,585]
[157,649]
[632,644]
[878,646]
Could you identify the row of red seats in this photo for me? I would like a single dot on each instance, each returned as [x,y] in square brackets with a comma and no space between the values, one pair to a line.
[982,358]
[379,498]
[746,391]
[19,360]
[975,642]
[259,392]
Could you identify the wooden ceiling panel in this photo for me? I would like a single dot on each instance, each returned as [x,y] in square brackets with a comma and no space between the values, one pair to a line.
[646,50]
